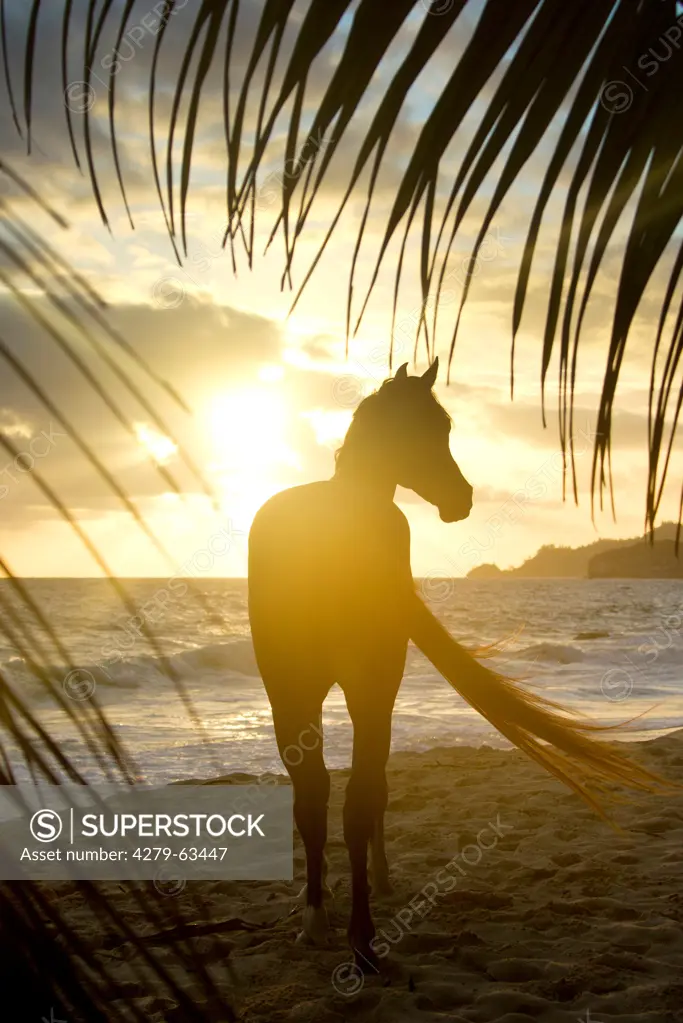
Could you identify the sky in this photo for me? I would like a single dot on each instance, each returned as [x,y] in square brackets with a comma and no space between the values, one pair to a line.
[271,393]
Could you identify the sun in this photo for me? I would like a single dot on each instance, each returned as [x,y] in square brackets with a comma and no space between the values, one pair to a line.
[248,435]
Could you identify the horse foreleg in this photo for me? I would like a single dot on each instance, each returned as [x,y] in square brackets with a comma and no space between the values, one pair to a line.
[311,783]
[366,801]
[360,809]
[381,882]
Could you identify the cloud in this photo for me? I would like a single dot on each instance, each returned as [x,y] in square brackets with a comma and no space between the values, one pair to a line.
[13,426]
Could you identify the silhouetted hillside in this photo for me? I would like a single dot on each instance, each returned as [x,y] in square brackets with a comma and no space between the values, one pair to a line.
[551,562]
[640,561]
[485,572]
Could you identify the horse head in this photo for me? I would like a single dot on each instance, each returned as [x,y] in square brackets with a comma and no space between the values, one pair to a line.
[424,460]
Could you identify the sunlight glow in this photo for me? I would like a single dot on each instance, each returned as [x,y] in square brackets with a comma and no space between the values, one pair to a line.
[271,374]
[160,447]
[248,431]
[328,425]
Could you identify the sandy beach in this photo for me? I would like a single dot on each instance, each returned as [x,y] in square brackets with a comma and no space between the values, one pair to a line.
[512,902]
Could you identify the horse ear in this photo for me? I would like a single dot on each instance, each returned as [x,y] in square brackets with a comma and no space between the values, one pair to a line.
[430,376]
[402,372]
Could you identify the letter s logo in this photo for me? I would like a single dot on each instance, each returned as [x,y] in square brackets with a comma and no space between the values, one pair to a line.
[46,825]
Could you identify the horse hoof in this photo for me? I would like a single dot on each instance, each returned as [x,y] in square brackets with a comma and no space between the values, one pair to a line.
[316,927]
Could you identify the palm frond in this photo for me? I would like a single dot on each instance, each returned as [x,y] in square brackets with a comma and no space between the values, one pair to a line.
[623,124]
[49,961]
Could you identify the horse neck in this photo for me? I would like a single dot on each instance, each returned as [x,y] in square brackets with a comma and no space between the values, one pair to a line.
[363,466]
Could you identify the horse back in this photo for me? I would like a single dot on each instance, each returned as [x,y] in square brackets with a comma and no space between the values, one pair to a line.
[327,572]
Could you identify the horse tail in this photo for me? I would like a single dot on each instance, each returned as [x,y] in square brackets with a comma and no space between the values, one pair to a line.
[540,727]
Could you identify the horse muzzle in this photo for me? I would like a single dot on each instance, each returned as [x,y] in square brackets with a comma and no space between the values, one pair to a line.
[456,511]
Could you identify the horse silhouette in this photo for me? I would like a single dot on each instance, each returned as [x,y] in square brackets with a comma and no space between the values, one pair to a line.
[332,599]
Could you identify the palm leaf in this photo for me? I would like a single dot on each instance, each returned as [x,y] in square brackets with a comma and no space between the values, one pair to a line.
[638,148]
[48,962]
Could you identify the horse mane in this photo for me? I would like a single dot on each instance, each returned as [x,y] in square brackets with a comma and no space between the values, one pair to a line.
[370,418]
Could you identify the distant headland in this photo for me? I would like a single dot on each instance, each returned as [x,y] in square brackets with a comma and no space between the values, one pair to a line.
[635,558]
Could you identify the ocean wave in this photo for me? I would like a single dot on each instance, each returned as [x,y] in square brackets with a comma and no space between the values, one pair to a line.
[551,653]
[207,664]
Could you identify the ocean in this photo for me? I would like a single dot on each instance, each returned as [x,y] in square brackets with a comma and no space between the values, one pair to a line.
[611,649]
